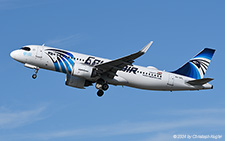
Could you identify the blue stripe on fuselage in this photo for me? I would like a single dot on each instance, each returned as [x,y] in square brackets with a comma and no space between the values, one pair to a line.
[57,66]
[62,65]
[67,65]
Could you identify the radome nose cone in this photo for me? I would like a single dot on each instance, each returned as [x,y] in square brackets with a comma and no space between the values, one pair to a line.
[13,54]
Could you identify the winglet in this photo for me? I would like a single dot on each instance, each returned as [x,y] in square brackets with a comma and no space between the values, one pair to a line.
[145,49]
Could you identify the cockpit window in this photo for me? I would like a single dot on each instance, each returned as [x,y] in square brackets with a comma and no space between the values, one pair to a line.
[25,48]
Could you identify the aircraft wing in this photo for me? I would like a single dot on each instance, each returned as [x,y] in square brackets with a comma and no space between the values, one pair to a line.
[113,66]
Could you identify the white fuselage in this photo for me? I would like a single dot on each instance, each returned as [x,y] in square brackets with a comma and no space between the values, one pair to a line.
[148,78]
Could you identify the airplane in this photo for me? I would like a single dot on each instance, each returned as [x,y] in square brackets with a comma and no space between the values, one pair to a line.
[84,70]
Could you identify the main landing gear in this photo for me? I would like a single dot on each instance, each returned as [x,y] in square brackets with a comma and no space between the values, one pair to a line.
[34,76]
[102,86]
[100,93]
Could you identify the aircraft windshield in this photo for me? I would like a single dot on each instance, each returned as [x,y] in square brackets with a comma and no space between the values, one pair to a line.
[25,48]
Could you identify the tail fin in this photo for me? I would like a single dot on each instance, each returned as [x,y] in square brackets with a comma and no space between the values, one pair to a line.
[197,66]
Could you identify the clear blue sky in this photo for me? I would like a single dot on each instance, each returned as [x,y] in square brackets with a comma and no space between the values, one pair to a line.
[46,109]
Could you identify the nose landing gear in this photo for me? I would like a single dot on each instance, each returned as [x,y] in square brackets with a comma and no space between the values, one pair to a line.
[34,76]
[102,86]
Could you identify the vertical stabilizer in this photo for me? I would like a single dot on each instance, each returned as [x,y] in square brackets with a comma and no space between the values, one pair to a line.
[197,66]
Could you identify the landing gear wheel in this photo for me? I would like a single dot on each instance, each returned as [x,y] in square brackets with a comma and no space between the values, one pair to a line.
[105,86]
[34,76]
[100,93]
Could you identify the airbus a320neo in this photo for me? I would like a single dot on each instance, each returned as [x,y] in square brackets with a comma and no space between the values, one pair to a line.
[84,70]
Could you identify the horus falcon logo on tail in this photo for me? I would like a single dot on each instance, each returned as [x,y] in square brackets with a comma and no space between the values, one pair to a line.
[197,66]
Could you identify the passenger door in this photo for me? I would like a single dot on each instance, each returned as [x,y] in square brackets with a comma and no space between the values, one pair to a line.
[171,80]
[40,50]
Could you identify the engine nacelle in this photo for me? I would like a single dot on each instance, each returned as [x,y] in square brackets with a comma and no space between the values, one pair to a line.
[75,81]
[82,70]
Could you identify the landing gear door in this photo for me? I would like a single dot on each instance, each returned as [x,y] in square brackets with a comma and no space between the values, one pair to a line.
[40,50]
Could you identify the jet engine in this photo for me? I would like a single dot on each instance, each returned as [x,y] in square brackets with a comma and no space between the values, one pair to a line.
[77,82]
[83,70]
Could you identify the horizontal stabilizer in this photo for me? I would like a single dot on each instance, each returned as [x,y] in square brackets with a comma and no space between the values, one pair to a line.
[200,81]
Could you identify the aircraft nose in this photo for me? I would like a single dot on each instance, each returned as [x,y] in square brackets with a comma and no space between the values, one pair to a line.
[15,54]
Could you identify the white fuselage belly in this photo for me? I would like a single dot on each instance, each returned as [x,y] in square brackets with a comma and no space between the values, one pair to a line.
[148,82]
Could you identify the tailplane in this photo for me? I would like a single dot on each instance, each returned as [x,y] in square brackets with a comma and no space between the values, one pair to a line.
[197,66]
[200,81]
